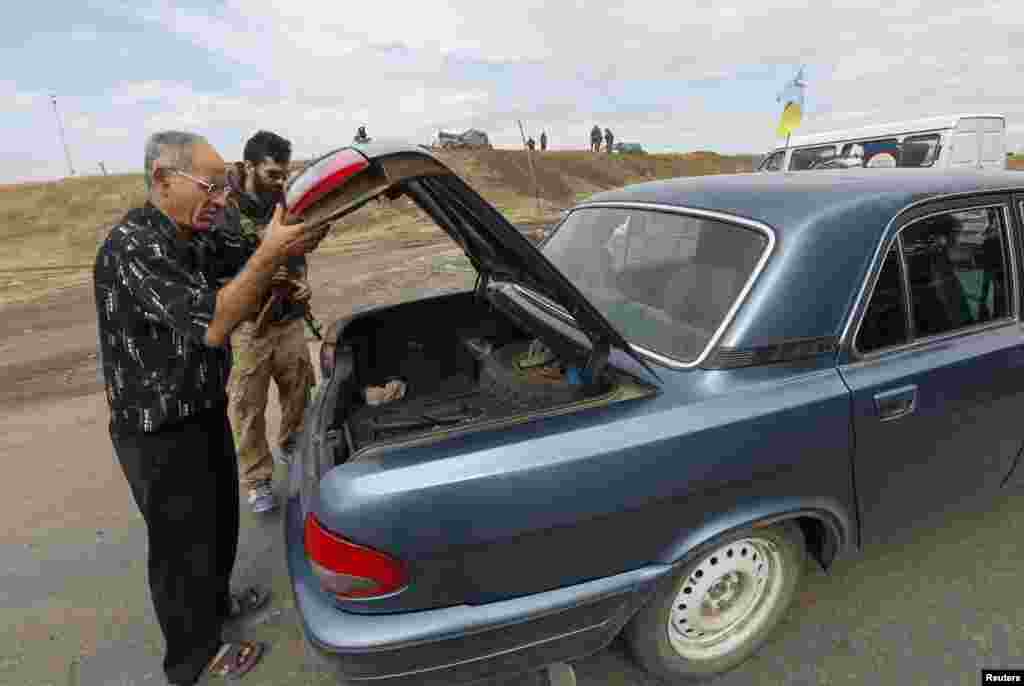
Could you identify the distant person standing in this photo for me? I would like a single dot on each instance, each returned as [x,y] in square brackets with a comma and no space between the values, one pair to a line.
[609,139]
[531,144]
[543,141]
[595,139]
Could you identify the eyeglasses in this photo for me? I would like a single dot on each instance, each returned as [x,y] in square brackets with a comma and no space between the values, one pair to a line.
[211,189]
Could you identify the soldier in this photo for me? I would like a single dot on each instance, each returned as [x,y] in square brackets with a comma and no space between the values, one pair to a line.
[543,141]
[595,139]
[608,139]
[271,343]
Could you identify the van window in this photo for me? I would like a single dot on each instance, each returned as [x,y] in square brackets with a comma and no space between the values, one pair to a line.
[879,153]
[774,161]
[809,158]
[920,151]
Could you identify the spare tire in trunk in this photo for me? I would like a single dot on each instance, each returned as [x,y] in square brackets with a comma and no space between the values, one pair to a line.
[501,375]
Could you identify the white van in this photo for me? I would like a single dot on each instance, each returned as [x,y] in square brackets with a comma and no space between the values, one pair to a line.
[951,141]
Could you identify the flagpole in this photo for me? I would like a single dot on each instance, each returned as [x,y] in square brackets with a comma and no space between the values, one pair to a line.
[797,82]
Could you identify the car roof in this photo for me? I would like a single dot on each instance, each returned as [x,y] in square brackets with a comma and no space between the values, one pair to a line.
[788,201]
[827,225]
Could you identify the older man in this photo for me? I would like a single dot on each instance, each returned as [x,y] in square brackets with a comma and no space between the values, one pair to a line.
[273,345]
[163,327]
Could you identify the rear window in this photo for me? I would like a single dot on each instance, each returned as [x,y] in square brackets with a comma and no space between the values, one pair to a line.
[664,280]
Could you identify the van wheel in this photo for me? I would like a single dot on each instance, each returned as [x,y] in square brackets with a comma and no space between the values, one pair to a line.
[716,611]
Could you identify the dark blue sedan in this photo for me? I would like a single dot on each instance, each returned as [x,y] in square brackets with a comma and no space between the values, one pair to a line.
[650,423]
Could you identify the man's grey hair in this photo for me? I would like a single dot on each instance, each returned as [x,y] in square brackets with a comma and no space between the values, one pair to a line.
[171,149]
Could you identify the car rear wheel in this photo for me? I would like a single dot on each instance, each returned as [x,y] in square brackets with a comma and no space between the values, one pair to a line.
[720,607]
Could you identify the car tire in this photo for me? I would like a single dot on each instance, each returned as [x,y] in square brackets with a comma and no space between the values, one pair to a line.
[673,638]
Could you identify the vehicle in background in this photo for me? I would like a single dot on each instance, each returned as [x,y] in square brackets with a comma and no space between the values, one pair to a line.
[629,148]
[471,138]
[946,142]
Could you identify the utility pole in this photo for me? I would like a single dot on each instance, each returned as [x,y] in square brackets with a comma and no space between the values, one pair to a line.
[60,129]
[529,157]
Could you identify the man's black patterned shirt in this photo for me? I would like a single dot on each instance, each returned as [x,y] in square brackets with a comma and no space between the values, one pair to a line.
[155,299]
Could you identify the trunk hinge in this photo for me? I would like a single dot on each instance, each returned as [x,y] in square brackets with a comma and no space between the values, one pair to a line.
[482,281]
[597,361]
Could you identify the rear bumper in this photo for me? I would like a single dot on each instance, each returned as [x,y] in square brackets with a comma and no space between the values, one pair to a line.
[465,643]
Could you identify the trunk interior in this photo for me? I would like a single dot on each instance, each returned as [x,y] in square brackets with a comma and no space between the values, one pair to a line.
[463,361]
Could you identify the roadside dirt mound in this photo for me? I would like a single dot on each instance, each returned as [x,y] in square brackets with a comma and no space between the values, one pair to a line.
[563,176]
[511,168]
[52,230]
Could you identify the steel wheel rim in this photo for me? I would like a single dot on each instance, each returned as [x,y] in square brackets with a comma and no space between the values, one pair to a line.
[726,598]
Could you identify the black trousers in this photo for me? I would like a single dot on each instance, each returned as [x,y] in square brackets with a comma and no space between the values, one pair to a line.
[185,481]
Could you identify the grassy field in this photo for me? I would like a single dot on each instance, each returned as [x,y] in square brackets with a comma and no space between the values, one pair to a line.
[52,230]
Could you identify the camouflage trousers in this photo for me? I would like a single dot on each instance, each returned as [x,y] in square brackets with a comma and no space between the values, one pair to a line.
[280,354]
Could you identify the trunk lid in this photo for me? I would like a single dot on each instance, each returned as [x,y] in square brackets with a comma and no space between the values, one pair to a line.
[344,180]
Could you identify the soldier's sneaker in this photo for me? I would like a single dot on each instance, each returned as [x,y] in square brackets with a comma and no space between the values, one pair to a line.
[262,498]
[282,456]
[285,453]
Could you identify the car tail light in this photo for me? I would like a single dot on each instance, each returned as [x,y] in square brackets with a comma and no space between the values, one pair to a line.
[322,177]
[348,570]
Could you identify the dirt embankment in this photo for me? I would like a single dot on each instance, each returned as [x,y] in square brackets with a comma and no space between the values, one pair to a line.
[51,230]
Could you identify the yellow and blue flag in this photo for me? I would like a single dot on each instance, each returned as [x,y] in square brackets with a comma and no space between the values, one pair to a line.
[792,99]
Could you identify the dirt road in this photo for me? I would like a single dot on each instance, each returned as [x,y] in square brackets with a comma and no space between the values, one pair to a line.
[929,607]
[73,544]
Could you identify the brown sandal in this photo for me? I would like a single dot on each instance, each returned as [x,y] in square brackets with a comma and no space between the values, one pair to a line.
[234,660]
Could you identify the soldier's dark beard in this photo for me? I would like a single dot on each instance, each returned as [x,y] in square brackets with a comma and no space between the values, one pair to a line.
[269,195]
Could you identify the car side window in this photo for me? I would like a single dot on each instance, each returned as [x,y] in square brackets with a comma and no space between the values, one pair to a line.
[958,269]
[885,321]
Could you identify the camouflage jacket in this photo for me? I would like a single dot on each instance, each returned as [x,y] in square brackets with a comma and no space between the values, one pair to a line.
[246,216]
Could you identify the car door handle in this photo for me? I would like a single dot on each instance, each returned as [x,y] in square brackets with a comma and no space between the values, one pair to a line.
[896,403]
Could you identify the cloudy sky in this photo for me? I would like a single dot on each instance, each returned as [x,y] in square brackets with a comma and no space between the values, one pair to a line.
[673,76]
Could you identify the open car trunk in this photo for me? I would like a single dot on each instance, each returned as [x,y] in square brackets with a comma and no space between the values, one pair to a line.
[465,365]
[470,361]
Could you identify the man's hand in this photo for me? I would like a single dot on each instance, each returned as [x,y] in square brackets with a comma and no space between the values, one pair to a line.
[302,292]
[292,240]
[281,277]
[298,289]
